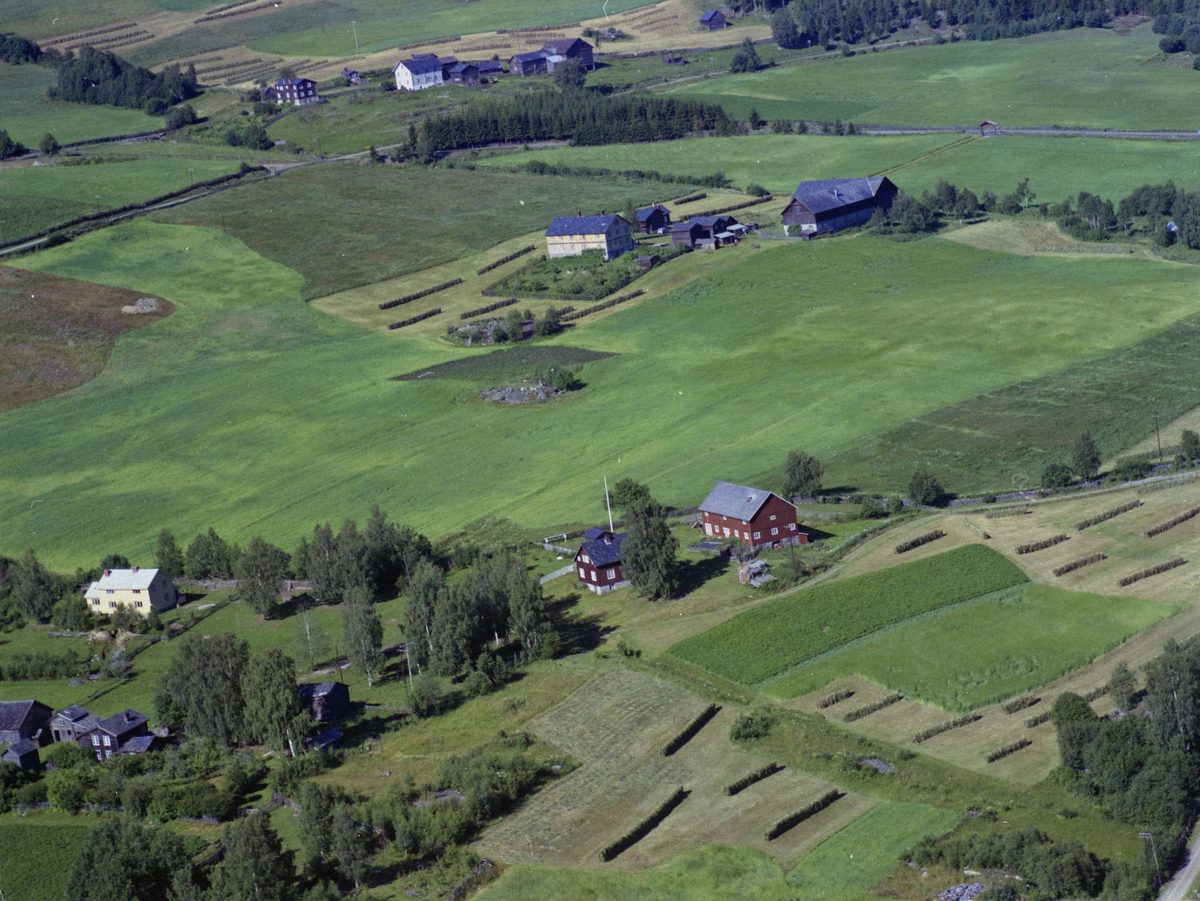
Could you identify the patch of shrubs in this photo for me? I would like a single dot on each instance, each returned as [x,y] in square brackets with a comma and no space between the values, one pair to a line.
[1079,564]
[1018,704]
[1152,571]
[1041,545]
[690,730]
[40,665]
[872,708]
[1106,515]
[794,819]
[411,297]
[913,544]
[757,776]
[956,723]
[830,700]
[1172,523]
[644,828]
[752,725]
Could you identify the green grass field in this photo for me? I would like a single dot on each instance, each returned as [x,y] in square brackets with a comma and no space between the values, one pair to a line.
[37,856]
[1056,167]
[168,436]
[1058,78]
[769,639]
[346,221]
[982,652]
[28,114]
[36,198]
[28,17]
[855,860]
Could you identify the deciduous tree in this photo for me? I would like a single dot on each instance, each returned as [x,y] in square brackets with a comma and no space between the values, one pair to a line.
[649,550]
[168,555]
[201,689]
[1190,445]
[272,702]
[362,631]
[801,475]
[255,866]
[123,860]
[1085,457]
[924,488]
[209,557]
[262,570]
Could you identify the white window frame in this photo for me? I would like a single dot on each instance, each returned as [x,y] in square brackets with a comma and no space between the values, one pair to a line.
[612,574]
[774,530]
[756,536]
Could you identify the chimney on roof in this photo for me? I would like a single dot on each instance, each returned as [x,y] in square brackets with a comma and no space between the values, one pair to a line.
[108,572]
[608,538]
[602,212]
[136,568]
[126,716]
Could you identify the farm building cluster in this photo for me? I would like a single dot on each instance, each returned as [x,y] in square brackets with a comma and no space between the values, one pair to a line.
[428,70]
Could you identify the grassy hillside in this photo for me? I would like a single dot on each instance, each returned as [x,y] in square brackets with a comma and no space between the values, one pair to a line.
[1059,78]
[171,436]
[1055,167]
[28,114]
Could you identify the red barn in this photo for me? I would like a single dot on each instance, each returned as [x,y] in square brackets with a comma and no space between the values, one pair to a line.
[598,561]
[751,515]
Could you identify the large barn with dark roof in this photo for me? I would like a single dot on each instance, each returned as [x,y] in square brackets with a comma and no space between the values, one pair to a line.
[821,207]
[570,236]
[753,516]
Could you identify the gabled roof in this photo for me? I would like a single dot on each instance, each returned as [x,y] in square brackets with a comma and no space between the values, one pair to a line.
[604,553]
[564,46]
[317,689]
[593,533]
[295,82]
[645,212]
[708,15]
[530,57]
[420,65]
[735,501]
[118,725]
[137,577]
[710,221]
[831,193]
[489,65]
[447,60]
[684,225]
[139,744]
[581,225]
[14,714]
[462,67]
[22,747]
[74,713]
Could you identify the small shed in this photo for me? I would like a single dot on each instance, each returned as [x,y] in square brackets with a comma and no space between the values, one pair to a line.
[490,68]
[352,76]
[712,20]
[465,74]
[646,262]
[652,219]
[23,754]
[328,702]
[672,59]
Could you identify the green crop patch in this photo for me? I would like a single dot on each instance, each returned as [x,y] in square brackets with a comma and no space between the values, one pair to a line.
[975,654]
[765,641]
[516,362]
[38,858]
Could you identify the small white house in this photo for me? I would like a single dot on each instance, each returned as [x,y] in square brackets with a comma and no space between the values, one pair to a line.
[424,70]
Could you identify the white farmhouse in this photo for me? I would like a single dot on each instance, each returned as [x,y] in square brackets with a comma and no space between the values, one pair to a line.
[424,70]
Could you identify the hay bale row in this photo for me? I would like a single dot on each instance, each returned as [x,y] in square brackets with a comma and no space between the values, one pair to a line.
[603,306]
[512,256]
[1106,515]
[905,546]
[1042,545]
[757,776]
[1018,704]
[737,206]
[644,828]
[410,297]
[1172,523]
[690,730]
[1007,511]
[489,308]
[830,700]
[691,198]
[872,708]
[1003,751]
[1168,483]
[1079,564]
[270,4]
[412,320]
[956,723]
[1096,693]
[1043,717]
[430,43]
[794,819]
[124,26]
[1152,571]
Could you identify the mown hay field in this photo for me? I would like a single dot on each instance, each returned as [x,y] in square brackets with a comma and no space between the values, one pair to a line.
[982,652]
[764,642]
[616,726]
[1048,79]
[168,436]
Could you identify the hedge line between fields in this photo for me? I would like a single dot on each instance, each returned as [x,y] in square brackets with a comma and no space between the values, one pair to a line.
[603,306]
[690,730]
[1041,545]
[489,308]
[1079,564]
[729,209]
[830,700]
[956,723]
[407,298]
[794,819]
[1152,571]
[1003,751]
[906,546]
[872,708]
[1172,523]
[1106,515]
[749,779]
[644,828]
[1018,704]
[508,259]
[413,320]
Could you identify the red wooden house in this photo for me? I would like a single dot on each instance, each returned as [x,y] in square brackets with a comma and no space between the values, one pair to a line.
[598,561]
[753,516]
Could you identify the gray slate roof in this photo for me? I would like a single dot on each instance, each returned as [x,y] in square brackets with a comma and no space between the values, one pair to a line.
[127,578]
[735,501]
[710,221]
[139,744]
[708,15]
[19,749]
[74,713]
[593,533]
[563,46]
[530,57]
[117,725]
[420,65]
[462,67]
[13,714]
[581,225]
[603,553]
[645,212]
[490,65]
[317,689]
[821,196]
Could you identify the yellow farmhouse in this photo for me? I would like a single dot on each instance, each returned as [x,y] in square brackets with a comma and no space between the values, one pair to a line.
[569,236]
[140,589]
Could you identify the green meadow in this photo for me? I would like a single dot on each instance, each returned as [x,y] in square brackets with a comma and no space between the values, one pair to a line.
[854,861]
[975,654]
[249,411]
[38,197]
[1056,167]
[28,17]
[27,115]
[1058,78]
[37,853]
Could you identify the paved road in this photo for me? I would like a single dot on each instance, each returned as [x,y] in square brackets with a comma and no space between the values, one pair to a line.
[1177,888]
